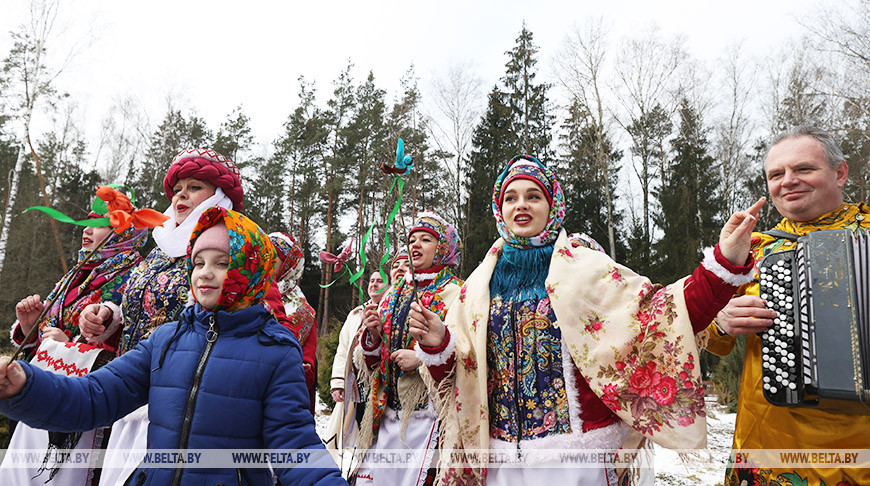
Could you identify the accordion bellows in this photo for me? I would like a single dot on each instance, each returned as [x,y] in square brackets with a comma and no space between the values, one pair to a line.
[816,353]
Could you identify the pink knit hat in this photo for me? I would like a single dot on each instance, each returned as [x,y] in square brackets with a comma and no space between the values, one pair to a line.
[216,237]
[206,165]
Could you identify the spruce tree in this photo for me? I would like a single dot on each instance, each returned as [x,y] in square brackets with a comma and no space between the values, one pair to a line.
[517,121]
[528,101]
[494,143]
[691,204]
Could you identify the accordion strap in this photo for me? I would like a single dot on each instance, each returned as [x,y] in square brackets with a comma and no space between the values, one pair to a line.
[780,234]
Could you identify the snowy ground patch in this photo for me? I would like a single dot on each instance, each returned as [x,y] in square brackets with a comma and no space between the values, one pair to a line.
[706,468]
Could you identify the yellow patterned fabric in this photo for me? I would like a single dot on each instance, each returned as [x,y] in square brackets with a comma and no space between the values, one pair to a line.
[761,425]
[633,341]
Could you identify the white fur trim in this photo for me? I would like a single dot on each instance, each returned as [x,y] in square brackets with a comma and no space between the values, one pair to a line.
[735,279]
[441,358]
[423,276]
[12,337]
[540,450]
[570,373]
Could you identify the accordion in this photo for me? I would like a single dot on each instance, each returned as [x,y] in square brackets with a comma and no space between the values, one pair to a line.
[816,352]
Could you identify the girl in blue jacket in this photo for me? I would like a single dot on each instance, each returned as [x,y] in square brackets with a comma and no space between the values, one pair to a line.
[227,375]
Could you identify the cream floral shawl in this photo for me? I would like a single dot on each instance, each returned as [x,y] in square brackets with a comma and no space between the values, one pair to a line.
[631,339]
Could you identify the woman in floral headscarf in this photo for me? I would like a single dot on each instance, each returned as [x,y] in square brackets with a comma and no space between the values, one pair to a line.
[299,315]
[398,413]
[197,179]
[224,376]
[577,350]
[103,278]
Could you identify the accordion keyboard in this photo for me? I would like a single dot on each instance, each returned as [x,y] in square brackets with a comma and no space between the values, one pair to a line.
[786,350]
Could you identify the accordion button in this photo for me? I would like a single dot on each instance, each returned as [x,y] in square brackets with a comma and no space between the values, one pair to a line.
[766,379]
[792,386]
[788,305]
[767,386]
[764,350]
[772,389]
[790,364]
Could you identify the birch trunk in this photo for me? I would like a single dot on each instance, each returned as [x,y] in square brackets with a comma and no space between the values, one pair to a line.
[10,203]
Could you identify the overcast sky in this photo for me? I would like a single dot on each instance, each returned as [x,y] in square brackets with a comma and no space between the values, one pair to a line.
[216,55]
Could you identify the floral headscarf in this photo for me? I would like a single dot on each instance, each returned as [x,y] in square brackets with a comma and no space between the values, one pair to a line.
[528,167]
[120,254]
[291,253]
[449,251]
[252,259]
[402,253]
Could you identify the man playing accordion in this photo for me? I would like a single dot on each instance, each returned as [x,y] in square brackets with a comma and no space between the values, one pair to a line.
[805,171]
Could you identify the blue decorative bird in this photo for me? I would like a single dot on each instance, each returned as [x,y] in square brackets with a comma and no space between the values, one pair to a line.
[404,163]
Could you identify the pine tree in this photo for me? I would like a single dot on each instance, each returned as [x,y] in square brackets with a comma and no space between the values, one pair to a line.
[369,148]
[648,134]
[425,187]
[234,137]
[336,162]
[174,135]
[297,169]
[235,141]
[586,181]
[691,204]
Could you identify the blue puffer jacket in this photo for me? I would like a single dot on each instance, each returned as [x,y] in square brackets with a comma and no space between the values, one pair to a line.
[246,390]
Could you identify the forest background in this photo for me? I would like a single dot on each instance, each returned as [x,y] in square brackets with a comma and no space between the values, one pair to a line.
[654,146]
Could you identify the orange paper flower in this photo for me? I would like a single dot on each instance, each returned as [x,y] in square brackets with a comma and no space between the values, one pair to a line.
[122,215]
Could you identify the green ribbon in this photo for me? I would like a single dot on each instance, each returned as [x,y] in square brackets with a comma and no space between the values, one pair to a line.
[98,206]
[330,284]
[54,213]
[392,217]
[355,276]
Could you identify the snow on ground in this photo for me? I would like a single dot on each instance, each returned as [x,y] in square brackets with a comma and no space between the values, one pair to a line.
[321,417]
[707,468]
